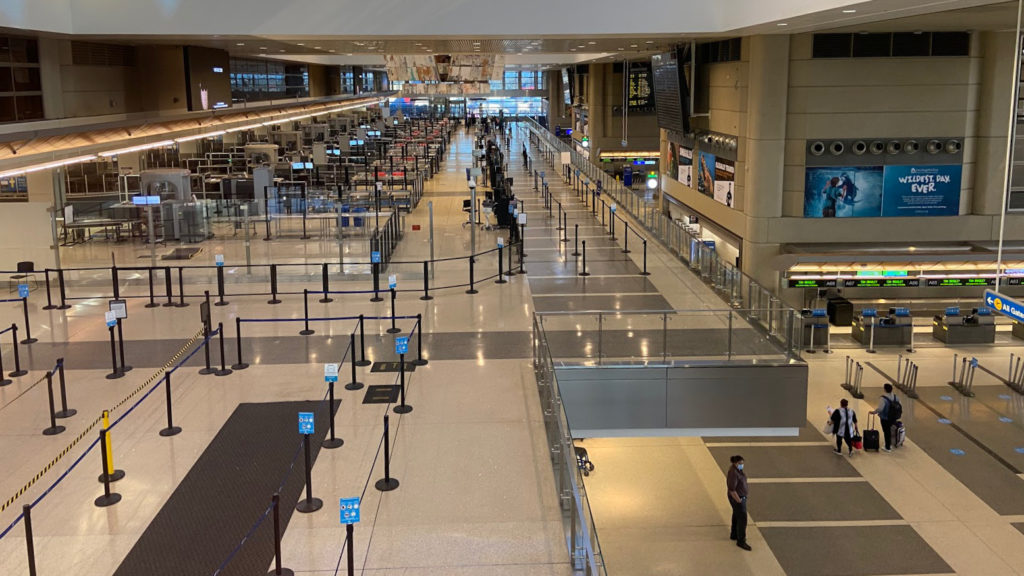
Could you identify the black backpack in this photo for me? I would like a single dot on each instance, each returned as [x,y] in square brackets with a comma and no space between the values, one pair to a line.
[895,411]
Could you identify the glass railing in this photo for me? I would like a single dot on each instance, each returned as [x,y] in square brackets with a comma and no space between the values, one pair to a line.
[577,520]
[737,289]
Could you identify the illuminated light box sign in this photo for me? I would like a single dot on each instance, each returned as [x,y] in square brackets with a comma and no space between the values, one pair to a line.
[954,282]
[898,282]
[813,283]
[882,283]
[887,191]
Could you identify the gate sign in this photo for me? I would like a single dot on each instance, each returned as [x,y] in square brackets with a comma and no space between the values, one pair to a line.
[111,318]
[375,257]
[306,423]
[330,372]
[402,345]
[349,510]
[612,208]
[1004,305]
[501,242]
[219,259]
[393,281]
[22,290]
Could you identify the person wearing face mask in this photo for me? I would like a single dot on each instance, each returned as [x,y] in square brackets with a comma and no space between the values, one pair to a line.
[736,483]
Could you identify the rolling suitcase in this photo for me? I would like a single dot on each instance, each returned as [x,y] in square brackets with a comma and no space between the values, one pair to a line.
[871,435]
[899,434]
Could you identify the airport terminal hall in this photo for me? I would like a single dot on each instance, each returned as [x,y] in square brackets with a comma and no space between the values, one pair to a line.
[521,288]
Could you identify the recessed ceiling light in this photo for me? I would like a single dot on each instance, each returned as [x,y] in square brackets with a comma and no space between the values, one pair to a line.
[330,50]
[649,42]
[591,42]
[849,11]
[632,45]
[316,47]
[263,47]
[782,24]
[282,50]
[580,46]
[240,44]
[620,49]
[572,49]
[349,54]
[300,44]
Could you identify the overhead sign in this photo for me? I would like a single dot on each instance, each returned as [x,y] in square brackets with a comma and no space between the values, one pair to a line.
[306,423]
[349,510]
[402,345]
[110,318]
[1004,305]
[641,95]
[330,372]
[119,308]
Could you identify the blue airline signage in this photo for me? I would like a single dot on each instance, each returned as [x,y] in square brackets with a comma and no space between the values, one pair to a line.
[1004,305]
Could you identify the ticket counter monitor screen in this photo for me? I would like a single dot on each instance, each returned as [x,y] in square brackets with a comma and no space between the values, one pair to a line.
[207,78]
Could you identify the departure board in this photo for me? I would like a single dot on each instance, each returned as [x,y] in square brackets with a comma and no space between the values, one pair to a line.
[641,97]
[961,282]
[882,282]
[812,283]
[669,98]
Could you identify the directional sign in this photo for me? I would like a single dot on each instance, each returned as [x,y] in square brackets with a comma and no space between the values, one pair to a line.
[393,281]
[306,423]
[330,372]
[501,242]
[219,259]
[522,218]
[402,345]
[349,510]
[1004,305]
[22,290]
[119,308]
[612,207]
[375,257]
[111,319]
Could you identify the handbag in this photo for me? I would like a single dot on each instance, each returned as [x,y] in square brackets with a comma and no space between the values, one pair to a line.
[827,429]
[857,441]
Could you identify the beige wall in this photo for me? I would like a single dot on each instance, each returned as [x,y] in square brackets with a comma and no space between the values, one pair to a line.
[71,91]
[159,79]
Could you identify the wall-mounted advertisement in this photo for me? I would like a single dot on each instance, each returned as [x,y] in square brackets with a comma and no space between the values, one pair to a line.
[706,173]
[725,181]
[673,157]
[922,190]
[686,166]
[889,191]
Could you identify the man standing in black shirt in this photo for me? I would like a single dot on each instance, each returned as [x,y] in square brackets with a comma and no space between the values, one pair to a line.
[736,483]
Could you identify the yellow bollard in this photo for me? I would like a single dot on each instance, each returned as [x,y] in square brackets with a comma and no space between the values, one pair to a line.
[110,451]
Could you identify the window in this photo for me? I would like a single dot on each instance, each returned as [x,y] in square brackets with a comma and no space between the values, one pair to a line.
[529,81]
[21,96]
[496,84]
[884,45]
[511,80]
[255,80]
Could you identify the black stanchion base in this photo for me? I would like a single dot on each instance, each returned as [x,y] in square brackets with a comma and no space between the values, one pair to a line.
[220,303]
[402,409]
[267,239]
[584,274]
[115,375]
[6,382]
[325,300]
[283,572]
[425,298]
[523,271]
[104,501]
[169,305]
[331,444]
[420,362]
[64,307]
[501,280]
[394,330]
[53,430]
[645,273]
[207,371]
[306,332]
[362,363]
[182,305]
[376,299]
[150,305]
[577,254]
[354,386]
[237,367]
[18,373]
[472,291]
[172,431]
[810,351]
[66,413]
[307,506]
[274,301]
[870,351]
[54,307]
[224,372]
[125,369]
[627,251]
[30,340]
[304,237]
[565,240]
[117,475]
[386,484]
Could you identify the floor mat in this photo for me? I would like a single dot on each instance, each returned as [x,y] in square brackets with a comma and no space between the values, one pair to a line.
[225,492]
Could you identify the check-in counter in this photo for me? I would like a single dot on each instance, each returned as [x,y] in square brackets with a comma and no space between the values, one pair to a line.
[953,328]
[815,328]
[1018,330]
[892,330]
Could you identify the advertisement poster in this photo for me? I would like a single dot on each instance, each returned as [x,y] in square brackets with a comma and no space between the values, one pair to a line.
[890,191]
[921,190]
[673,156]
[843,192]
[686,166]
[725,181]
[706,173]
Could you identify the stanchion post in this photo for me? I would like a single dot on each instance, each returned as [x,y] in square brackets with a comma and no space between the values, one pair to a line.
[376,282]
[181,288]
[576,239]
[522,245]
[65,412]
[240,365]
[333,441]
[115,282]
[471,290]
[224,370]
[220,287]
[584,271]
[420,360]
[26,513]
[49,297]
[349,542]
[501,271]
[645,272]
[109,498]
[326,283]
[387,483]
[305,313]
[171,429]
[362,343]
[54,429]
[426,282]
[17,355]
[28,325]
[402,407]
[394,329]
[111,473]
[115,372]
[206,350]
[168,287]
[120,347]
[273,285]
[63,294]
[354,384]
[625,236]
[4,380]
[278,570]
[510,272]
[310,504]
[152,294]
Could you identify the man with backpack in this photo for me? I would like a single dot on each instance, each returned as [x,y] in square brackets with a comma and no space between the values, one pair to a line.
[889,412]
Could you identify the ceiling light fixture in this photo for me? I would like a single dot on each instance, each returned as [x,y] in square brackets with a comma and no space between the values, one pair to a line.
[849,11]
[649,42]
[300,44]
[200,136]
[137,148]
[240,44]
[591,42]
[46,166]
[782,24]
[263,47]
[632,46]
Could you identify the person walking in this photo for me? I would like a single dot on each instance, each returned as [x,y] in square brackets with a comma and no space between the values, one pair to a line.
[736,483]
[844,425]
[887,415]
